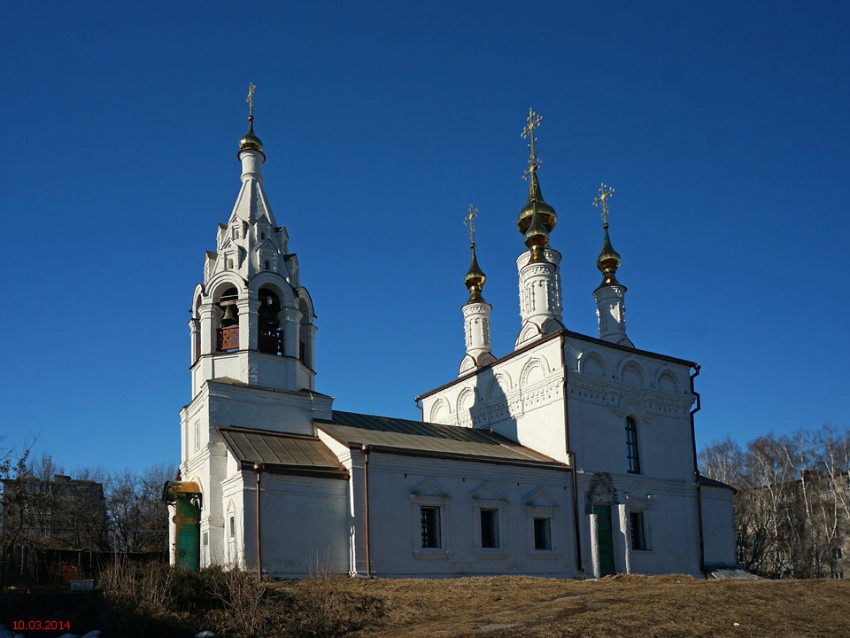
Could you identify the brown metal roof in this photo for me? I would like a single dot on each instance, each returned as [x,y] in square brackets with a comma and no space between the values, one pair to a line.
[417,438]
[282,453]
[710,482]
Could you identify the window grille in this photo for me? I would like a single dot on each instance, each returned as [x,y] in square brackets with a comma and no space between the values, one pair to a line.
[638,531]
[429,523]
[632,446]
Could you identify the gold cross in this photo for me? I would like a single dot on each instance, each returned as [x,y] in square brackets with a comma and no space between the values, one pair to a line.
[602,200]
[469,220]
[250,99]
[532,122]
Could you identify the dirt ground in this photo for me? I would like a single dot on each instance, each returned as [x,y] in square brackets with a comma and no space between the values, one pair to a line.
[325,606]
[633,606]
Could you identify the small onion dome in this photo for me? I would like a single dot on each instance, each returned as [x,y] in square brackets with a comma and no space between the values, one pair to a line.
[536,236]
[251,142]
[608,261]
[546,212]
[474,279]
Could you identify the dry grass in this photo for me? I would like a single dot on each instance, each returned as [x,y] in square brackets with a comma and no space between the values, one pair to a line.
[156,602]
[662,606]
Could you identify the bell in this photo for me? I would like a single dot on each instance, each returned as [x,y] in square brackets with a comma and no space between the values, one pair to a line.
[229,317]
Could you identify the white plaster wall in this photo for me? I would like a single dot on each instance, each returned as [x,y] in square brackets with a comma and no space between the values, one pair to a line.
[355,527]
[606,385]
[520,398]
[276,411]
[304,524]
[252,367]
[718,516]
[598,437]
[398,486]
[207,460]
[672,529]
[230,549]
[670,525]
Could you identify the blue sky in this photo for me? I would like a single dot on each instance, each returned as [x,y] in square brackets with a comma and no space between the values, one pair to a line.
[723,127]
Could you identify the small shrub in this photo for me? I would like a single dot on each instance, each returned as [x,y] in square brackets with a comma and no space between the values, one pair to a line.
[325,606]
[144,588]
[243,598]
[234,603]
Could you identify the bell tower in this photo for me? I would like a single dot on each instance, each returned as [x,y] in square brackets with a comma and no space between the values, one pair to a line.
[252,321]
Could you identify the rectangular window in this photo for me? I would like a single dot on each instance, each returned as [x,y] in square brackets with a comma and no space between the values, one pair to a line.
[429,523]
[232,527]
[632,446]
[837,553]
[542,533]
[489,528]
[638,532]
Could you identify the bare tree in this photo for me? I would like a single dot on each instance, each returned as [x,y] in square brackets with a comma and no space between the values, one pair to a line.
[792,501]
[12,521]
[138,517]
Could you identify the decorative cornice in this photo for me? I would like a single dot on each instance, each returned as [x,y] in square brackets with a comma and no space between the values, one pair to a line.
[615,395]
[516,403]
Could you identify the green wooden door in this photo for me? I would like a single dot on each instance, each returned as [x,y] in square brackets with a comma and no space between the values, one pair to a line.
[604,539]
[188,534]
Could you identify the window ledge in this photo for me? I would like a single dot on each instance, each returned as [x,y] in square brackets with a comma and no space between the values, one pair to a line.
[493,554]
[436,554]
[543,555]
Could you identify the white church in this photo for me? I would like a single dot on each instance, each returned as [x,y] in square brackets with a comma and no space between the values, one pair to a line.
[571,456]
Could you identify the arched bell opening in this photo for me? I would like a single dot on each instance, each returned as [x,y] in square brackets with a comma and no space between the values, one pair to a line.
[305,336]
[270,336]
[227,334]
[195,329]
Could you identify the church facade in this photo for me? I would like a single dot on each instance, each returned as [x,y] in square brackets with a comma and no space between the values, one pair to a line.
[571,456]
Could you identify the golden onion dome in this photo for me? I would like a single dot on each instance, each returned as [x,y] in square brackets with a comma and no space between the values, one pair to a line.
[250,141]
[474,279]
[547,214]
[536,235]
[608,261]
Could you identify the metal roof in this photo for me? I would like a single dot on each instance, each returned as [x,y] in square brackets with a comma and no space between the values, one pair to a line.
[418,438]
[710,482]
[282,453]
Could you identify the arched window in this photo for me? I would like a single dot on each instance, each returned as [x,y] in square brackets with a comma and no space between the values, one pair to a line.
[632,454]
